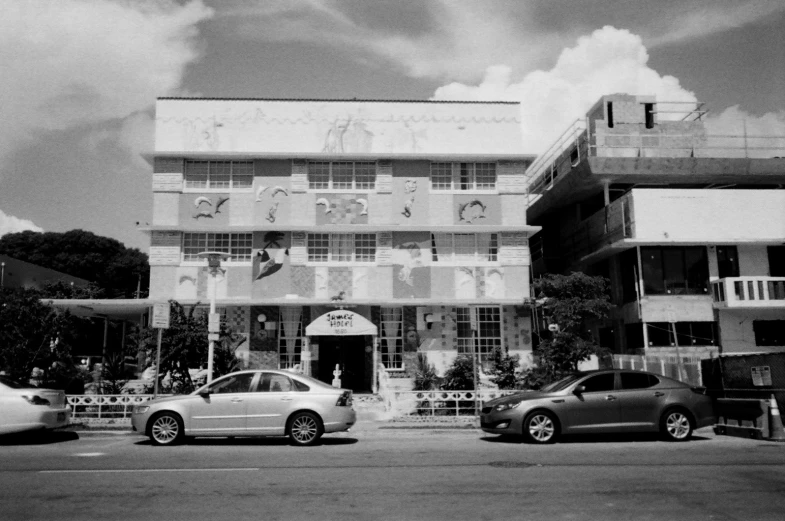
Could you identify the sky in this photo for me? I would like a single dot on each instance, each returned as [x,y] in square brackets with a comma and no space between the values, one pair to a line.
[80,77]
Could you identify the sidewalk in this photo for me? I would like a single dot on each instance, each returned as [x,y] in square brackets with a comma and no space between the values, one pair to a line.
[123,427]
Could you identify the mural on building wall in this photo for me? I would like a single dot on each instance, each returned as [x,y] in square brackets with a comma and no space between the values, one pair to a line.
[341,209]
[471,211]
[270,258]
[347,134]
[409,187]
[411,264]
[209,207]
[270,202]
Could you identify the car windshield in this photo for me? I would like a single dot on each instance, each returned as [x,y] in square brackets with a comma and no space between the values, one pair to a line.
[560,385]
[13,384]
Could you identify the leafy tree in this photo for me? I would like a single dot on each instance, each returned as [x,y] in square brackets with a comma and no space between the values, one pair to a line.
[64,290]
[184,346]
[458,376]
[33,334]
[568,302]
[504,369]
[115,269]
[425,377]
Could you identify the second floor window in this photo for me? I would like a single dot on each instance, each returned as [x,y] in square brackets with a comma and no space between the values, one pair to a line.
[218,175]
[237,245]
[674,270]
[341,247]
[463,176]
[342,175]
[465,248]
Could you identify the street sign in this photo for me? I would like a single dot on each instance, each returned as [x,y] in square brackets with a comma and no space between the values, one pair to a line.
[214,323]
[161,315]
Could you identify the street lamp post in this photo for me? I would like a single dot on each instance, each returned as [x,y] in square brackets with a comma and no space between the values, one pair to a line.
[214,259]
[2,274]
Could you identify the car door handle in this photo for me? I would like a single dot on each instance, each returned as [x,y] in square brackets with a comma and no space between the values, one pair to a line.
[237,400]
[658,394]
[610,397]
[286,399]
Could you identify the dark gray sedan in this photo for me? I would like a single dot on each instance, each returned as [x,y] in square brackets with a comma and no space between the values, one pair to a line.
[601,402]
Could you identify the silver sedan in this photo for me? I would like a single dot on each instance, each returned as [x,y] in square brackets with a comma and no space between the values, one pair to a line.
[249,403]
[26,408]
[601,402]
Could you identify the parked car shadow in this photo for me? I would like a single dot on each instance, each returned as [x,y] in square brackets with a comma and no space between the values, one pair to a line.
[38,437]
[256,441]
[595,438]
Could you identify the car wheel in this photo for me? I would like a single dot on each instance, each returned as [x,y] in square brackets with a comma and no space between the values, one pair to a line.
[676,425]
[540,427]
[166,428]
[305,428]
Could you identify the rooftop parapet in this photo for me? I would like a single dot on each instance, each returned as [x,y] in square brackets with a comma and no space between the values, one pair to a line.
[624,126]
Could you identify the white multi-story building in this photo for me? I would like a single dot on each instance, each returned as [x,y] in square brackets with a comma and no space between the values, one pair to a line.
[688,226]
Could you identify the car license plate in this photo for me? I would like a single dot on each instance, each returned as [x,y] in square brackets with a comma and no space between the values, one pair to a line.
[61,416]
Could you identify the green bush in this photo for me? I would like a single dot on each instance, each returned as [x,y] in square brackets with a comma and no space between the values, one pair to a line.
[459,376]
[504,370]
[425,378]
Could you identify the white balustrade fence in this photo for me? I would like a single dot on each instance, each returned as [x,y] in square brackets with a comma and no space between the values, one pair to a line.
[442,403]
[105,406]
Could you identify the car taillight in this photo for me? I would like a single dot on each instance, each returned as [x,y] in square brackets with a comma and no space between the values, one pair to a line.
[698,390]
[345,400]
[36,400]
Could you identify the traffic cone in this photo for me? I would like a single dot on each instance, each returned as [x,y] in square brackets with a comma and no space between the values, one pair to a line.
[777,431]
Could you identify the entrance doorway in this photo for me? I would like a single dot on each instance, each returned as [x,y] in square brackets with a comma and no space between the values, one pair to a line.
[352,357]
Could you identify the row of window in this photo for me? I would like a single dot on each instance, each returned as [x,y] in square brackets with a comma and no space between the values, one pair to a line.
[337,175]
[457,248]
[767,333]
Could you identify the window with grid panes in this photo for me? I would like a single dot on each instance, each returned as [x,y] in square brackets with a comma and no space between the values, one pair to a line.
[342,247]
[465,248]
[392,337]
[237,245]
[218,175]
[342,175]
[290,337]
[487,334]
[463,176]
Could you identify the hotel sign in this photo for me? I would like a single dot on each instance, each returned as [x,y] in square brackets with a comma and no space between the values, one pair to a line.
[341,323]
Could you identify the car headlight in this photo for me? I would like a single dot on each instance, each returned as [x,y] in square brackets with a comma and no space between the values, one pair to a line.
[140,409]
[505,406]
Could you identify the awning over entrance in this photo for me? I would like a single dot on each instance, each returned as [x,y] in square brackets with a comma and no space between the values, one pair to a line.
[341,322]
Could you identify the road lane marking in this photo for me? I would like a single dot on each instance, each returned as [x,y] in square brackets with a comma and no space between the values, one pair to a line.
[89,454]
[124,471]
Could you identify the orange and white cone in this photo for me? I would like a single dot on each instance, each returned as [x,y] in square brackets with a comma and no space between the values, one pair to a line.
[777,431]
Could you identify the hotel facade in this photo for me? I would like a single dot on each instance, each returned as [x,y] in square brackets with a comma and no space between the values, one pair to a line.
[358,233]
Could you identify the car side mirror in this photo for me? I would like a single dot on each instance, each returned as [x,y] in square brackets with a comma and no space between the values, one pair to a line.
[205,393]
[579,389]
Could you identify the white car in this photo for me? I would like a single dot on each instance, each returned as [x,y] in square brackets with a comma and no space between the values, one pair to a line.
[262,402]
[25,408]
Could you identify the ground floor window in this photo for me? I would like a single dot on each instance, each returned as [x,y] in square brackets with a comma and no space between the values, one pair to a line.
[687,333]
[769,332]
[290,337]
[392,338]
[479,329]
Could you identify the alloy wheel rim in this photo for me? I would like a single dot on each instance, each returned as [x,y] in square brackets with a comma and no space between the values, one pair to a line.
[165,429]
[541,428]
[678,425]
[304,429]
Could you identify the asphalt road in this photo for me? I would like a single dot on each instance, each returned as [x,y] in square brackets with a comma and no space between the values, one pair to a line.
[392,474]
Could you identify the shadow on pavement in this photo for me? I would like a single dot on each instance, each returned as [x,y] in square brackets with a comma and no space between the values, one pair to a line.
[38,438]
[595,438]
[266,441]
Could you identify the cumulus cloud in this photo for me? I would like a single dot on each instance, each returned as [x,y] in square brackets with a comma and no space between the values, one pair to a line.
[607,61]
[736,132]
[11,224]
[78,62]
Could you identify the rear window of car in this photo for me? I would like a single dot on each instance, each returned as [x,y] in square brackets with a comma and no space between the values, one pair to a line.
[638,380]
[299,386]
